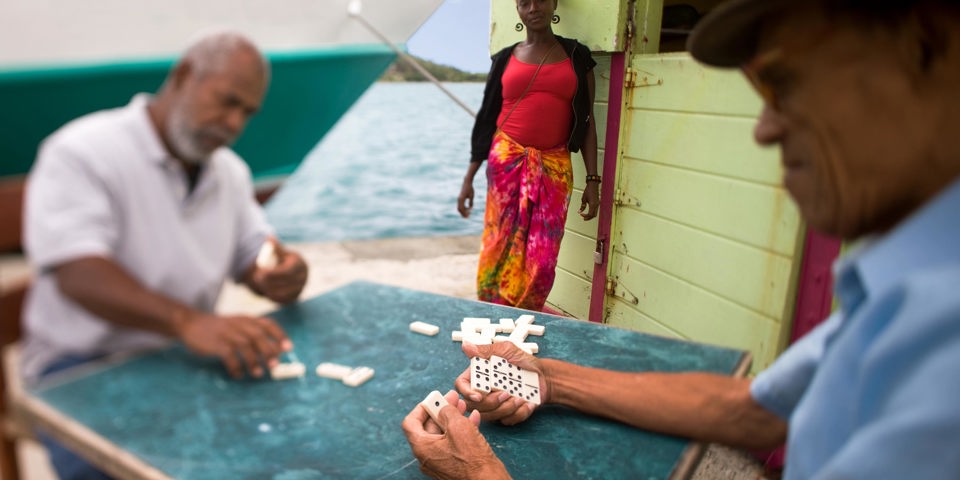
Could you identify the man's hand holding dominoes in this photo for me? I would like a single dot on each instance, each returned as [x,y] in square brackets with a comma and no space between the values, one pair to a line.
[243,343]
[278,273]
[449,445]
[495,402]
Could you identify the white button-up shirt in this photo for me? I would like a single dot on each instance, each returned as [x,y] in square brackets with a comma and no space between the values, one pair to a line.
[104,185]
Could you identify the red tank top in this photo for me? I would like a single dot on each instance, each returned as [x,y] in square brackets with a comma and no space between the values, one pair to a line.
[544,115]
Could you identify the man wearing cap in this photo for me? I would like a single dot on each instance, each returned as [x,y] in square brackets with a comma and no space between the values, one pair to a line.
[861,96]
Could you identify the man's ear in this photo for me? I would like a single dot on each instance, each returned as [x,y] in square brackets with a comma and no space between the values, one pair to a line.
[927,38]
[181,72]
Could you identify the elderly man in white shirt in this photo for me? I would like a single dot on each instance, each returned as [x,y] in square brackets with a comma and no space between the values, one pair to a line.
[136,216]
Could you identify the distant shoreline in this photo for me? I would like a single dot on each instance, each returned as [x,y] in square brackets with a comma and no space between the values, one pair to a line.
[401,71]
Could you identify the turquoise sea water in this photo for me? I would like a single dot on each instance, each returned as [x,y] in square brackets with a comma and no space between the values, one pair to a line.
[391,167]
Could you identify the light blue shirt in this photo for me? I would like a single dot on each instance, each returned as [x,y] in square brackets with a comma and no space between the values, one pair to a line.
[874,392]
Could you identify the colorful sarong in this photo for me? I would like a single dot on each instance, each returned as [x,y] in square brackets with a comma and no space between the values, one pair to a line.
[528,192]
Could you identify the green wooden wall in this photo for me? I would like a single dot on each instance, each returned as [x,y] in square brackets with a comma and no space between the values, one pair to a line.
[706,243]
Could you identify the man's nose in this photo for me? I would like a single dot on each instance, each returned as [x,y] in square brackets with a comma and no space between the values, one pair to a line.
[769,129]
[236,120]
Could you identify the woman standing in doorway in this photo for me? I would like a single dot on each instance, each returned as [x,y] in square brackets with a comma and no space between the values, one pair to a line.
[537,108]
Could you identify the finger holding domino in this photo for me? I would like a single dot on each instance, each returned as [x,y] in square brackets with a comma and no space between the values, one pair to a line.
[498,406]
[492,405]
[435,401]
[268,257]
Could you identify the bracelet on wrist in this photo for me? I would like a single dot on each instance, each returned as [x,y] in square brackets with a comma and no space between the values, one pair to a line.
[593,178]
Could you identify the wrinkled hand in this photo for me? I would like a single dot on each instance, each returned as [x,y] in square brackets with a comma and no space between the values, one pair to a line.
[453,449]
[284,282]
[242,343]
[499,405]
[465,200]
[590,202]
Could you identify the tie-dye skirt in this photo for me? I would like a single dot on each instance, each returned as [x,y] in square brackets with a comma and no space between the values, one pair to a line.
[528,192]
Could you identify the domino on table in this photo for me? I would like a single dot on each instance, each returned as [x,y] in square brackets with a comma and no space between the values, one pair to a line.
[424,328]
[433,403]
[519,338]
[358,376]
[476,338]
[480,331]
[524,320]
[285,371]
[333,370]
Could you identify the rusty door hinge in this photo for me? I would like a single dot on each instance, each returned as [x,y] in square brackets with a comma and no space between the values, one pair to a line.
[611,287]
[630,78]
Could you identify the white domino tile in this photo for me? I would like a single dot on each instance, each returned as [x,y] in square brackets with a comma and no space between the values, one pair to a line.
[480,331]
[433,403]
[333,370]
[488,331]
[479,320]
[515,381]
[358,376]
[518,335]
[523,320]
[267,257]
[424,328]
[473,324]
[497,373]
[480,371]
[286,371]
[476,338]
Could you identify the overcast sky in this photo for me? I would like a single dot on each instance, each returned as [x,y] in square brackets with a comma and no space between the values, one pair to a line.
[458,35]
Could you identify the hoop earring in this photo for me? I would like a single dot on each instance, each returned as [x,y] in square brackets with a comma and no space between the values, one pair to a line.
[519,27]
[556,19]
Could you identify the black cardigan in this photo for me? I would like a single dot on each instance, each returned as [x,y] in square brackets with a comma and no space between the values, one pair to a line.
[486,122]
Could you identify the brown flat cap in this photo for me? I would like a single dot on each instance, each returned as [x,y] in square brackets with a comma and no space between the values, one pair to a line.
[727,36]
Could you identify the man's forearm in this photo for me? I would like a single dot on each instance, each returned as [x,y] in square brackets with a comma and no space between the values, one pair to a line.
[108,291]
[701,406]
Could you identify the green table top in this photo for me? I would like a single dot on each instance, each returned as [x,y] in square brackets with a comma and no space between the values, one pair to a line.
[183,416]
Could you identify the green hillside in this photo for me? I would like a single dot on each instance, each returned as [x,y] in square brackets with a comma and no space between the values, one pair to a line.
[401,71]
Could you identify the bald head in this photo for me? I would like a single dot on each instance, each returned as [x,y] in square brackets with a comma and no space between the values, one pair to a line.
[210,95]
[211,52]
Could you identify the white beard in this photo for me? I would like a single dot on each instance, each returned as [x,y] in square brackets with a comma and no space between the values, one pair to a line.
[183,135]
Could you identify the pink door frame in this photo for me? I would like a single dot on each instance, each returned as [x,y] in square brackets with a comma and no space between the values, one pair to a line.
[815,286]
[611,150]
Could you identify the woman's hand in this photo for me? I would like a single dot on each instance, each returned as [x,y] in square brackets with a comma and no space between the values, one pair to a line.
[465,201]
[590,202]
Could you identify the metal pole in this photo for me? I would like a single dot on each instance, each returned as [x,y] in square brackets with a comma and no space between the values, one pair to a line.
[354,11]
